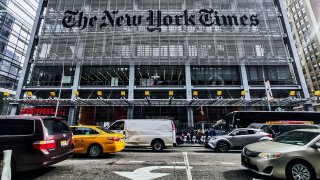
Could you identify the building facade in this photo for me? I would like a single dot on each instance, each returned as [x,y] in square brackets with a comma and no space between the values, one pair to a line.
[16,19]
[304,18]
[191,61]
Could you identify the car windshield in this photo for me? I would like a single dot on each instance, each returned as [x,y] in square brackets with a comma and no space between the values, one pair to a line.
[300,138]
[105,130]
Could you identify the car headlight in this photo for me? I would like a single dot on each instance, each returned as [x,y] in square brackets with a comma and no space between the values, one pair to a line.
[270,155]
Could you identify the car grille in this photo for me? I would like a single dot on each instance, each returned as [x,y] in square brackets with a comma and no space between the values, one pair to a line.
[250,153]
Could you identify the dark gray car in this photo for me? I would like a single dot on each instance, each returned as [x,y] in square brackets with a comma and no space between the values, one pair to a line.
[237,138]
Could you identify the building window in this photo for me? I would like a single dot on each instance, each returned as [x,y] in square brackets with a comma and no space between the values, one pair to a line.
[52,76]
[215,75]
[159,75]
[105,76]
[277,75]
[259,50]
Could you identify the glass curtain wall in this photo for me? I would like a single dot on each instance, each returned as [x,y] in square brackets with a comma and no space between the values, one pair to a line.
[159,75]
[105,76]
[174,45]
[52,76]
[215,75]
[277,75]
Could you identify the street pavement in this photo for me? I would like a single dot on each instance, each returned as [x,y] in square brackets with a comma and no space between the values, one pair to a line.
[144,164]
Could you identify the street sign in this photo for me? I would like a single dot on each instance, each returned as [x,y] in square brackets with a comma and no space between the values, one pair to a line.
[145,172]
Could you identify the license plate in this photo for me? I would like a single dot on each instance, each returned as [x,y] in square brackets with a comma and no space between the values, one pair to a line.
[63,143]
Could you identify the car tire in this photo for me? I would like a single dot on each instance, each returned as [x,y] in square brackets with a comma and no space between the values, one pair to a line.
[300,170]
[222,146]
[94,151]
[157,145]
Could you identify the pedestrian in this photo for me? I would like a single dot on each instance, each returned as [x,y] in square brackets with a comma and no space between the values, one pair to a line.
[182,136]
[214,132]
[188,137]
[198,136]
[206,134]
[191,135]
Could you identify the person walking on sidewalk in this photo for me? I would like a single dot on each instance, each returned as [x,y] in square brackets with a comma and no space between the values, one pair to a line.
[191,135]
[199,136]
[188,137]
[206,134]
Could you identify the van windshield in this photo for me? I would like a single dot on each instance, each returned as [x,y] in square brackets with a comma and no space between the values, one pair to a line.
[55,126]
[119,125]
[105,130]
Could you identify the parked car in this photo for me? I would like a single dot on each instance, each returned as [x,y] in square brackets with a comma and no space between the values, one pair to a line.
[35,142]
[95,140]
[278,129]
[236,138]
[157,133]
[293,155]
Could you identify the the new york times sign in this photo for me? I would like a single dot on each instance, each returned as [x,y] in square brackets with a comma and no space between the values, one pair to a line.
[155,19]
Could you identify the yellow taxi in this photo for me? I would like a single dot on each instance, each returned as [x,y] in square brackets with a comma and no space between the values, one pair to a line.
[96,140]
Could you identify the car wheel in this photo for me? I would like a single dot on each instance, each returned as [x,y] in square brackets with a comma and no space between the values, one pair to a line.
[300,170]
[223,146]
[157,146]
[94,151]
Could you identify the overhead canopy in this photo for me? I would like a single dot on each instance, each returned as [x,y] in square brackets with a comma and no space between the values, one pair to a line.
[162,102]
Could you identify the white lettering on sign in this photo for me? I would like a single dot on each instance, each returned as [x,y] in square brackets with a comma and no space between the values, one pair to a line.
[145,173]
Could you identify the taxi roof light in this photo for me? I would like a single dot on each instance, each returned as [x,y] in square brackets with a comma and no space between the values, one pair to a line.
[289,122]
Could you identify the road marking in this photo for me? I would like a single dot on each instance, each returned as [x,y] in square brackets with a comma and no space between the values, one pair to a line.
[136,161]
[145,174]
[228,163]
[186,161]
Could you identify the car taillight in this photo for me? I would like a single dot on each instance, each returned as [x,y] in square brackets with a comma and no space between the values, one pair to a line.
[115,139]
[46,145]
[172,125]
[72,140]
[269,135]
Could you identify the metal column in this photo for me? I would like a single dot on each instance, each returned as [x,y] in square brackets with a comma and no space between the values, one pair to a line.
[245,84]
[189,95]
[29,54]
[76,80]
[243,71]
[131,91]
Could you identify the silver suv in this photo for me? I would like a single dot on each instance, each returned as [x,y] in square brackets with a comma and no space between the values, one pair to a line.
[237,138]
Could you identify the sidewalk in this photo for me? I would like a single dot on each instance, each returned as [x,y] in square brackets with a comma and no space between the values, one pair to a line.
[186,144]
[193,144]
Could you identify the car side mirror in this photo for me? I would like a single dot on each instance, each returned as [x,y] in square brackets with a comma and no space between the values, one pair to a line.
[316,145]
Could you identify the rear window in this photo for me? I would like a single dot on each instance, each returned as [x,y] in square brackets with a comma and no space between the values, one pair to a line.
[10,127]
[55,126]
[305,127]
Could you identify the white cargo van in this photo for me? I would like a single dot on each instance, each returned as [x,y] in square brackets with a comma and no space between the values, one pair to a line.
[157,133]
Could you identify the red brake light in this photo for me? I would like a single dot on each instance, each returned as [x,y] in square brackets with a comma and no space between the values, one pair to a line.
[46,145]
[172,125]
[269,135]
[115,139]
